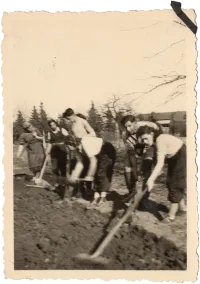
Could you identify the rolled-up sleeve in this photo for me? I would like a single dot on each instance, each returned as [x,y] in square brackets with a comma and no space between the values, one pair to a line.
[64,132]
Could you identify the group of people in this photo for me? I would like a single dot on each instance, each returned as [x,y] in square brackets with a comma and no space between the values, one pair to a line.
[92,159]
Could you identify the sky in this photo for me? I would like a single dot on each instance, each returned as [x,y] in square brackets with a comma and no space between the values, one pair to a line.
[70,59]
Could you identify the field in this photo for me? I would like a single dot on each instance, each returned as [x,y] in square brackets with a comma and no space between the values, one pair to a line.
[48,235]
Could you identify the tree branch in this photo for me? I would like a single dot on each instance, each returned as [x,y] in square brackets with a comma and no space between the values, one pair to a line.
[140,28]
[174,79]
[173,95]
[154,55]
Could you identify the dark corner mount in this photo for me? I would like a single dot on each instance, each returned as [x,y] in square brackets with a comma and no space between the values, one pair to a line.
[177,7]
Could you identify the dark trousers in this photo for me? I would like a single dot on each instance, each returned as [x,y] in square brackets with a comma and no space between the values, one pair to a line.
[105,166]
[176,176]
[59,163]
[147,161]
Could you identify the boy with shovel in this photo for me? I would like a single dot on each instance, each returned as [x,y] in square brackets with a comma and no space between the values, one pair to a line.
[101,155]
[79,129]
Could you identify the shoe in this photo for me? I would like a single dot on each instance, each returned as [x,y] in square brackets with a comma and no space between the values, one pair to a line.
[101,202]
[55,187]
[92,204]
[167,220]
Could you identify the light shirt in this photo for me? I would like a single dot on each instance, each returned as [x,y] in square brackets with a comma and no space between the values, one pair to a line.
[91,145]
[167,146]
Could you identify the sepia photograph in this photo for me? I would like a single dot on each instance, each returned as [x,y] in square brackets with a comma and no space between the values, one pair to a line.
[100,140]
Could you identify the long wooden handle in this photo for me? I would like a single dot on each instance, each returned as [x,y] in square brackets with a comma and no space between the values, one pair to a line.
[43,168]
[110,235]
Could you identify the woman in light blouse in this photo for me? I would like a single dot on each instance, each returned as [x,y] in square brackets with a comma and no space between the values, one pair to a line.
[173,150]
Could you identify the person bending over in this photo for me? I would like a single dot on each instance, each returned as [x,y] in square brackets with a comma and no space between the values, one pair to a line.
[134,147]
[173,150]
[102,156]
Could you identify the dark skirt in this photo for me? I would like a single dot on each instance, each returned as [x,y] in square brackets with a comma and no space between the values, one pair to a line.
[36,157]
[176,176]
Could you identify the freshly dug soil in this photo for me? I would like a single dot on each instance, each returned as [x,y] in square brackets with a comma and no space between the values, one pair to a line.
[49,236]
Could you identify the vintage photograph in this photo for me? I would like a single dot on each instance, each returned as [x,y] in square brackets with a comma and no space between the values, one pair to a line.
[99,129]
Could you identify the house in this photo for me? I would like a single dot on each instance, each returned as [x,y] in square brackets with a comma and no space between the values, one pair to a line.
[171,121]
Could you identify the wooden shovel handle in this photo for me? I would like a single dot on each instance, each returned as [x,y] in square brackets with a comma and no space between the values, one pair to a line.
[43,168]
[110,235]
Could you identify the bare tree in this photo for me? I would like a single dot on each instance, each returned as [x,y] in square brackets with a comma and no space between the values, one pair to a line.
[116,108]
[166,80]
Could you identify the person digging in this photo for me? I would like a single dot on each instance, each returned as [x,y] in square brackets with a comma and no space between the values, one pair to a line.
[134,148]
[172,150]
[102,156]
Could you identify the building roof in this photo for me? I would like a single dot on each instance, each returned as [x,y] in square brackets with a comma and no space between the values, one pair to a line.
[178,116]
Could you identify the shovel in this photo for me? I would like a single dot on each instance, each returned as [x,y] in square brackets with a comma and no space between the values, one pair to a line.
[95,257]
[39,182]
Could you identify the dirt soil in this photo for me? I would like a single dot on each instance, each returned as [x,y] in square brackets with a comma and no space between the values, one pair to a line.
[48,235]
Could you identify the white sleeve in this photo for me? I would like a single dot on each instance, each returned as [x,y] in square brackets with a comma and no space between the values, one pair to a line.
[64,132]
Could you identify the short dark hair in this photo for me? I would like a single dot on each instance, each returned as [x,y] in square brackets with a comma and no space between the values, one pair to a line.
[52,120]
[68,112]
[127,118]
[81,115]
[147,130]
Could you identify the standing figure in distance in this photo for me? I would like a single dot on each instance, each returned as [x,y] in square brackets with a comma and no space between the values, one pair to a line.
[32,140]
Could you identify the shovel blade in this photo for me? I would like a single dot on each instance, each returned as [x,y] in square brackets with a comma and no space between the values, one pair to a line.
[42,183]
[87,258]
